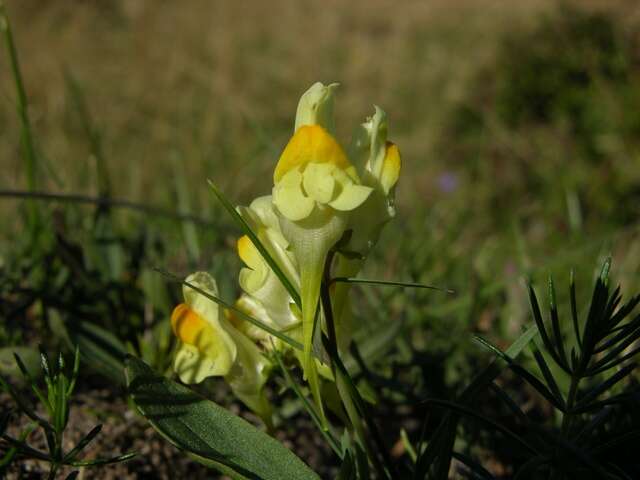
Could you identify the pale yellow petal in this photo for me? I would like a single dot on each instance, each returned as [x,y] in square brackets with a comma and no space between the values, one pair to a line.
[291,202]
[213,345]
[193,367]
[248,252]
[310,144]
[318,182]
[202,322]
[316,107]
[351,197]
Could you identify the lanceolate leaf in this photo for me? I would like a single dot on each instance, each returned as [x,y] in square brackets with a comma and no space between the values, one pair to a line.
[213,435]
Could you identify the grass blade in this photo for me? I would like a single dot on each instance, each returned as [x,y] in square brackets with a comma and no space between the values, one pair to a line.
[474,414]
[92,133]
[384,283]
[29,150]
[444,435]
[258,244]
[526,375]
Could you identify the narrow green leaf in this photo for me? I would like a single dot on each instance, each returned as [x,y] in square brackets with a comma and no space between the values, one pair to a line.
[31,381]
[625,438]
[385,283]
[24,406]
[445,433]
[527,469]
[73,453]
[474,414]
[606,385]
[258,244]
[75,371]
[548,376]
[92,133]
[598,405]
[26,449]
[474,466]
[604,272]
[623,332]
[362,410]
[614,363]
[546,340]
[29,357]
[594,317]
[104,461]
[555,323]
[526,375]
[623,312]
[574,309]
[7,458]
[347,469]
[209,431]
[408,446]
[362,463]
[509,402]
[614,352]
[598,420]
[374,345]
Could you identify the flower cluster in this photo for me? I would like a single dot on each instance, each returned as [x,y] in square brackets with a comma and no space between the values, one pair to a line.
[321,197]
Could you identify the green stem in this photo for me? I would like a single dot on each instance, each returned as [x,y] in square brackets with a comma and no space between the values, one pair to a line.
[53,471]
[351,400]
[310,281]
[567,419]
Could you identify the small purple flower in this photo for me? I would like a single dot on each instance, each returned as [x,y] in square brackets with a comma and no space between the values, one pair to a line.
[448,182]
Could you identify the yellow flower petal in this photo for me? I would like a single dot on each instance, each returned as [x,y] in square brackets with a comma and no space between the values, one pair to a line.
[310,144]
[292,202]
[203,342]
[316,107]
[390,167]
[351,196]
[187,325]
[199,323]
[318,182]
[193,367]
[248,253]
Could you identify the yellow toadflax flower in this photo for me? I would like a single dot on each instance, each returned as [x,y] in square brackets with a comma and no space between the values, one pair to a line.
[265,298]
[380,165]
[315,189]
[208,345]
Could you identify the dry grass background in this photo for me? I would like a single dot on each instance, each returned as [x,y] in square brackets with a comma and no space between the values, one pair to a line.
[209,89]
[211,86]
